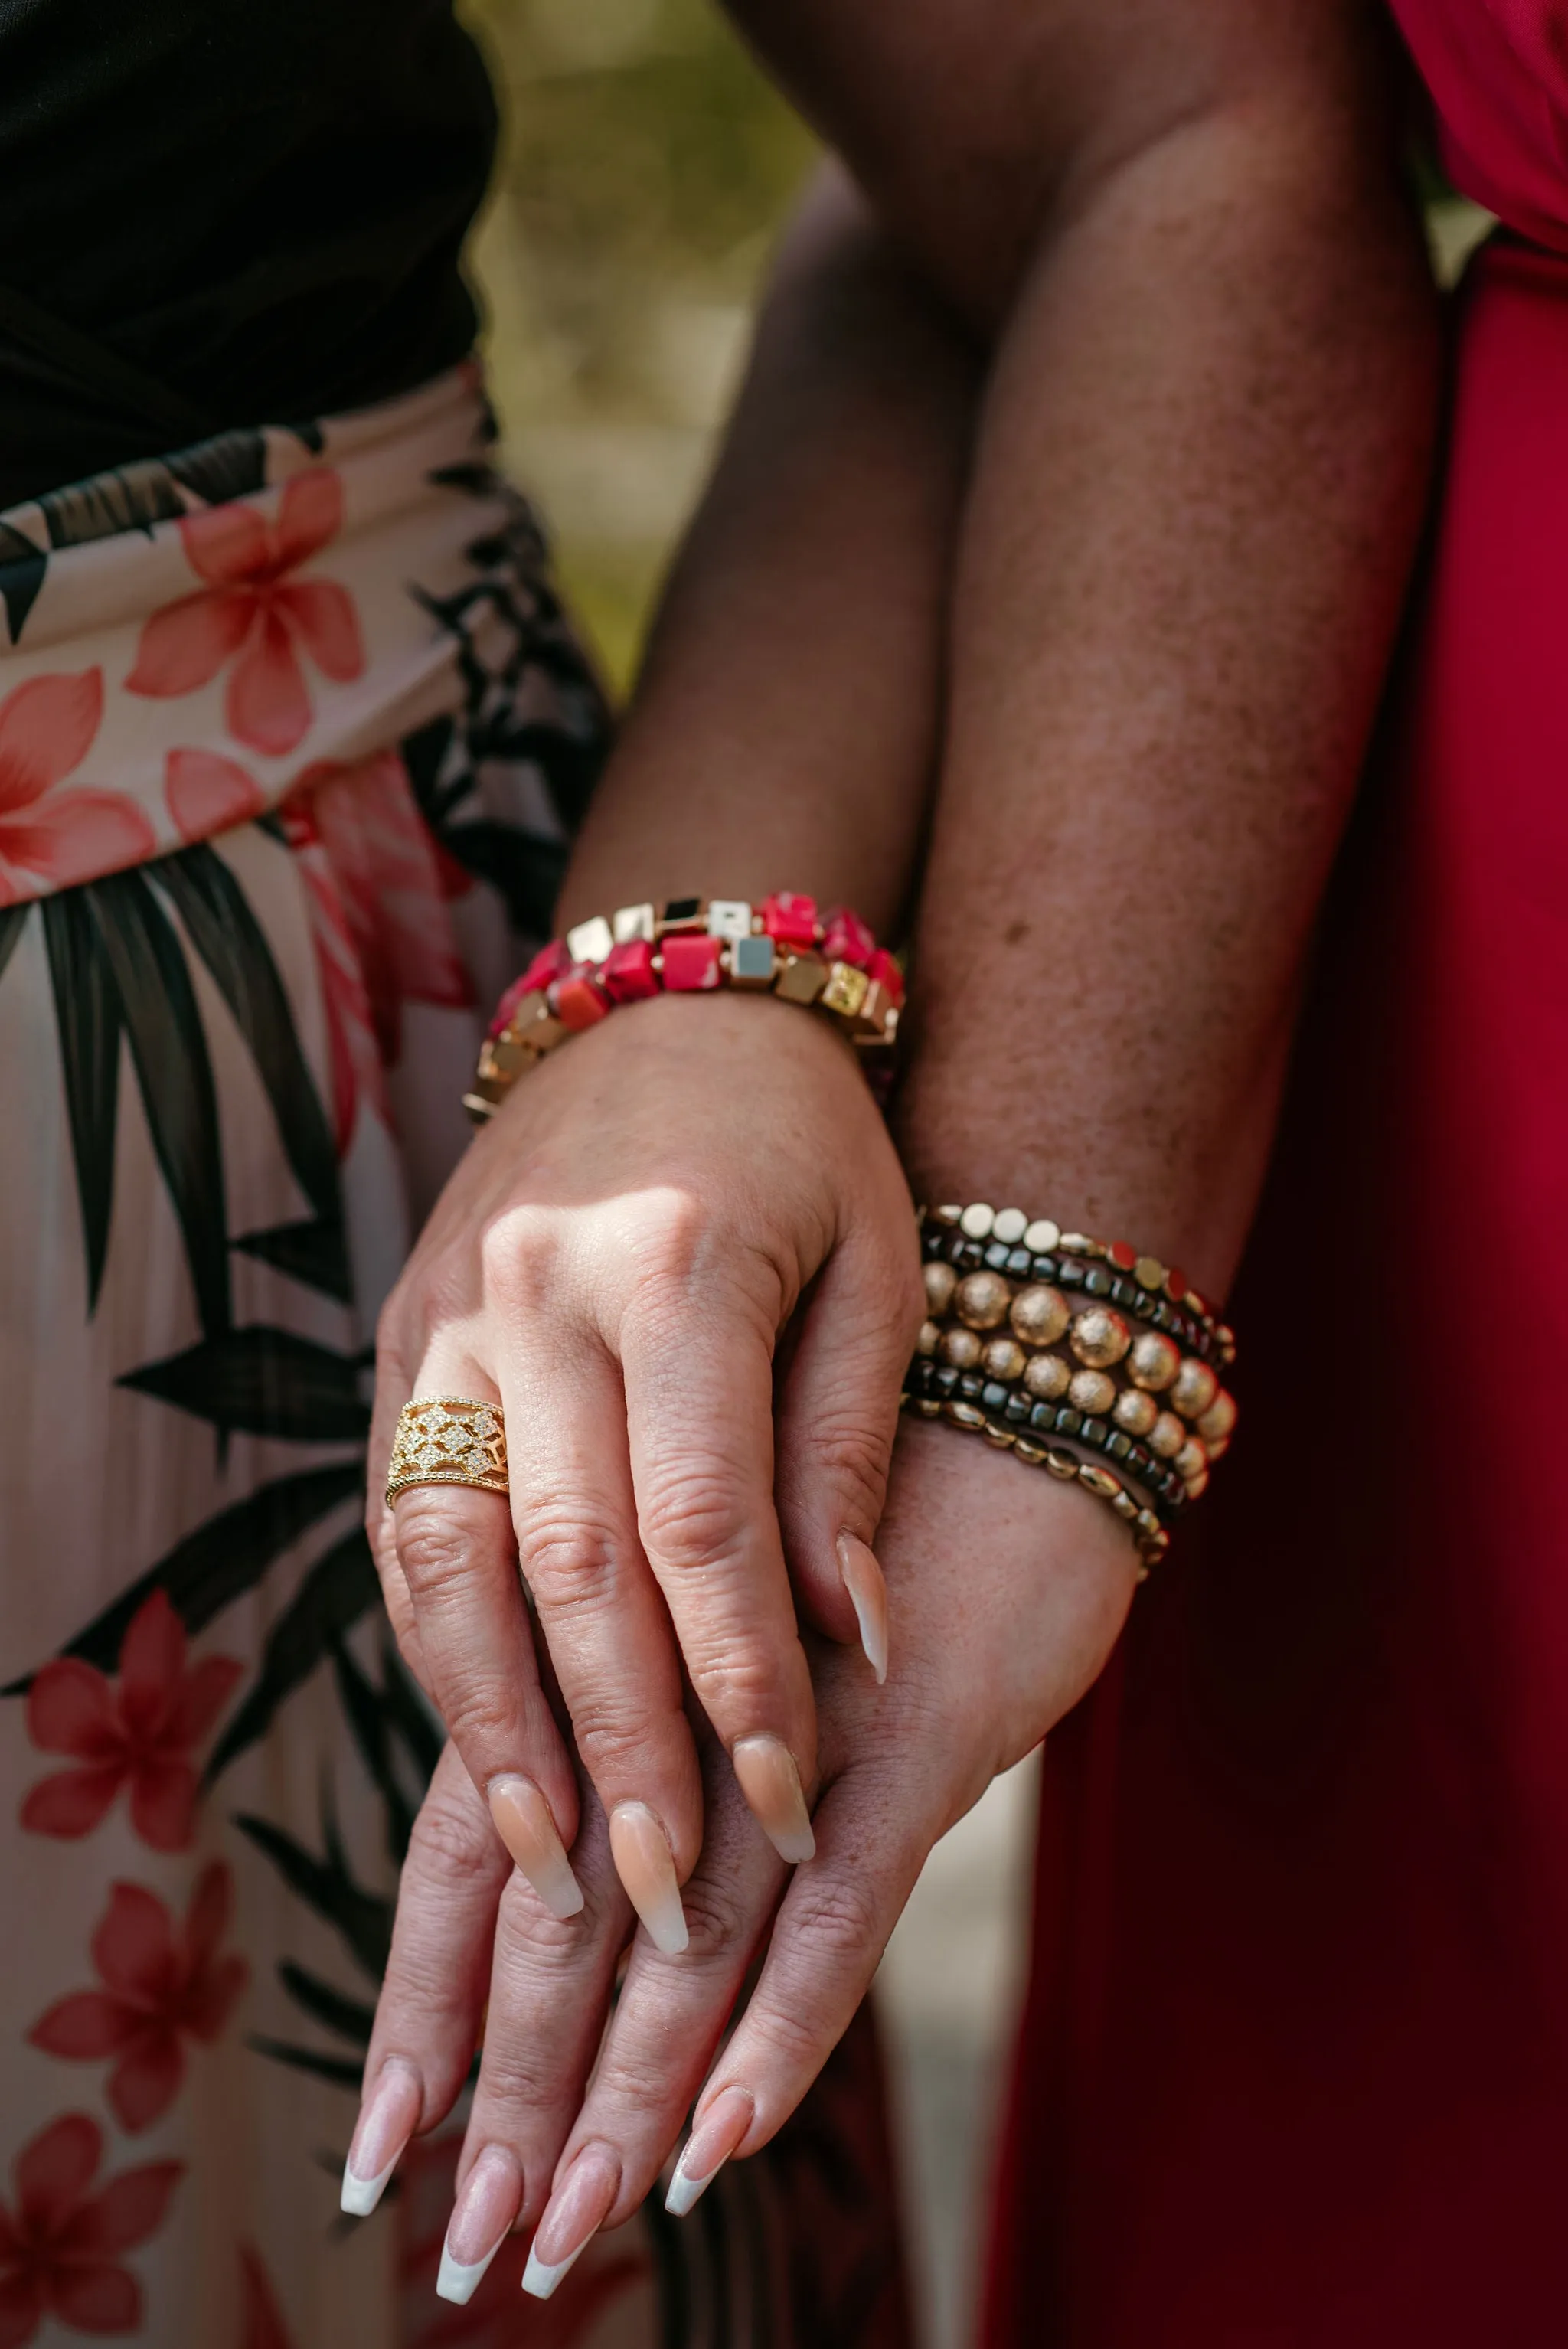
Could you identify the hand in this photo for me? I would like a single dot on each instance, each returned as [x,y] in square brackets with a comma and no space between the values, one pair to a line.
[613,1261]
[1008,1592]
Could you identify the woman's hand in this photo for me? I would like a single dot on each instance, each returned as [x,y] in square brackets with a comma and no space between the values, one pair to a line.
[1008,1590]
[613,1261]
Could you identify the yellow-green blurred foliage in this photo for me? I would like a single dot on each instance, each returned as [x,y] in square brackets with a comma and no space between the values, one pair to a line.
[646,166]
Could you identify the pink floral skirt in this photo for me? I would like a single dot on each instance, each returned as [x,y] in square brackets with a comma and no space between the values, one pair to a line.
[292,738]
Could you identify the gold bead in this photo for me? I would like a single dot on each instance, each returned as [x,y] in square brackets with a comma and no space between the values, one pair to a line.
[1098,1481]
[1198,1485]
[1153,1361]
[1218,1449]
[1216,1424]
[1194,1388]
[1040,1315]
[941,1281]
[1004,1359]
[1148,1524]
[802,979]
[961,1348]
[1122,1502]
[1092,1391]
[1025,1449]
[1150,1273]
[1046,1376]
[1099,1337]
[964,1415]
[1063,1464]
[928,1409]
[1166,1435]
[1191,1461]
[982,1300]
[946,1215]
[1004,1438]
[1135,1412]
[929,1339]
[1078,1244]
[845,992]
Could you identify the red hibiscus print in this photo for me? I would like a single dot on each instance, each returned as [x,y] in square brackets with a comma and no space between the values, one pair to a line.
[208,793]
[57,838]
[59,2247]
[142,1735]
[162,1983]
[253,613]
[377,889]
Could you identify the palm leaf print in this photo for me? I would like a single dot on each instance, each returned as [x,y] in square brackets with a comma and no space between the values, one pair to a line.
[12,922]
[263,1382]
[87,1015]
[338,1589]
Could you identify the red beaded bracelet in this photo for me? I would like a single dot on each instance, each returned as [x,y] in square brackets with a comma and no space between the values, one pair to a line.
[829,963]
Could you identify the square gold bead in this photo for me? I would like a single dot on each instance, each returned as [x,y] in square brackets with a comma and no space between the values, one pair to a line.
[802,979]
[846,989]
[872,1019]
[506,1060]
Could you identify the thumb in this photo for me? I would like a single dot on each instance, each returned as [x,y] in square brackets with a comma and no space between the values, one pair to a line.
[837,1418]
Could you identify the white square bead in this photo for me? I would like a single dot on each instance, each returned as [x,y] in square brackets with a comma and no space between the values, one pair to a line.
[590,941]
[633,922]
[728,917]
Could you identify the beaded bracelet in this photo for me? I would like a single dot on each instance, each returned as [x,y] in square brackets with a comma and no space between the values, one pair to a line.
[829,963]
[999,1307]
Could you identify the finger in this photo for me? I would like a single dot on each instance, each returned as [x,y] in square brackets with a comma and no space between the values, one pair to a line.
[604,1623]
[837,1416]
[699,1412]
[457,1551]
[394,1384]
[427,2016]
[550,1990]
[668,2021]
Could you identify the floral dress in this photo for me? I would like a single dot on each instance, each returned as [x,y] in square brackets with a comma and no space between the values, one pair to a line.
[292,738]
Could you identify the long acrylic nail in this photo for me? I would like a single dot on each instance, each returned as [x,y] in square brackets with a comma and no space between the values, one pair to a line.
[867,1596]
[641,1852]
[385,2123]
[708,2148]
[489,2201]
[524,1824]
[771,1786]
[572,2216]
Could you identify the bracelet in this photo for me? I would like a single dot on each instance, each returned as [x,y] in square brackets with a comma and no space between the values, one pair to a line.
[829,963]
[1008,1351]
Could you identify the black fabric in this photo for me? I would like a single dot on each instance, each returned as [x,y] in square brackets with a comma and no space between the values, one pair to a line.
[232,212]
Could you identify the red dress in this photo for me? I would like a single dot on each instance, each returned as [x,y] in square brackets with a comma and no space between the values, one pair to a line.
[1294,2064]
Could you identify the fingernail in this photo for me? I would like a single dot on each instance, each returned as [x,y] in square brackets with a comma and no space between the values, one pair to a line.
[641,1852]
[708,2148]
[489,2201]
[385,2125]
[771,1786]
[868,1597]
[523,1822]
[572,2216]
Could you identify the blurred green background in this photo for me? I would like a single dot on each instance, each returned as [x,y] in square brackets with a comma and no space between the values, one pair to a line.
[645,167]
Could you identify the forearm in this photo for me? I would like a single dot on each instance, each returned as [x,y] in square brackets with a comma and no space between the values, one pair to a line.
[783,730]
[1198,485]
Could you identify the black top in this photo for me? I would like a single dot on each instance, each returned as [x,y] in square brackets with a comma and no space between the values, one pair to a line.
[219,212]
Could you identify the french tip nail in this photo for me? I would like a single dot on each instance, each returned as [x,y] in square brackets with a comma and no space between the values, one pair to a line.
[707,2149]
[459,2279]
[540,2277]
[360,2195]
[685,2194]
[867,1588]
[526,1824]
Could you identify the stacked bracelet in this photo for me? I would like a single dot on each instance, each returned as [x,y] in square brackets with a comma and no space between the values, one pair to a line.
[829,963]
[1055,1344]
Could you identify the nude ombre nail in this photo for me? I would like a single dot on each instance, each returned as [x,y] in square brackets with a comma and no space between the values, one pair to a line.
[524,1824]
[491,2199]
[385,2123]
[708,2148]
[862,1579]
[572,2216]
[641,1852]
[771,1786]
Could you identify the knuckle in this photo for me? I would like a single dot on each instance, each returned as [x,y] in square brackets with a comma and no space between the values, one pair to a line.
[434,1546]
[516,1260]
[451,1844]
[853,1454]
[693,1522]
[482,1717]
[721,1923]
[834,1921]
[567,1549]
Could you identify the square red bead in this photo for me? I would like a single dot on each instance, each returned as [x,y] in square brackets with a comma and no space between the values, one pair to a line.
[884,973]
[508,1005]
[552,962]
[845,938]
[627,973]
[578,1001]
[690,964]
[789,918]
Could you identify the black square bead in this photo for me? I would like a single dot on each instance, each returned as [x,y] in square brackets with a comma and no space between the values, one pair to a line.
[1142,1304]
[955,1249]
[972,1257]
[1044,1417]
[1070,1275]
[1095,1432]
[1046,1268]
[1118,1444]
[934,1239]
[996,1257]
[1068,1421]
[1017,1409]
[1018,1263]
[1163,1316]
[1096,1280]
[1140,1460]
[970,1386]
[993,1396]
[680,909]
[1122,1292]
[946,1380]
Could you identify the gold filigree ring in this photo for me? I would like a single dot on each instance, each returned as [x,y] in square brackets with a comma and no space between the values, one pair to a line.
[449,1439]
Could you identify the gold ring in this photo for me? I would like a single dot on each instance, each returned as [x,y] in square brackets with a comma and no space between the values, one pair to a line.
[449,1439]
